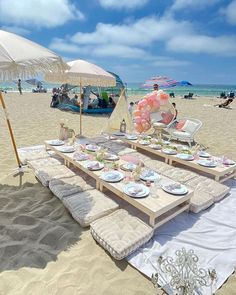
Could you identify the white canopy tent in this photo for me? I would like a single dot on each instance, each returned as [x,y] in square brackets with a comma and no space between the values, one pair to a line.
[22,58]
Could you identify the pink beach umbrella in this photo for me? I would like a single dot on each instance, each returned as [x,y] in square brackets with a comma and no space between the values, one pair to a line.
[161,81]
[22,58]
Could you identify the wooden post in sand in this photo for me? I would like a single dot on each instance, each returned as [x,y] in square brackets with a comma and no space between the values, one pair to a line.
[80,109]
[10,129]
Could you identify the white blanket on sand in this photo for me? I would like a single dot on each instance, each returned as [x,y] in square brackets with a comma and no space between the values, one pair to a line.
[211,234]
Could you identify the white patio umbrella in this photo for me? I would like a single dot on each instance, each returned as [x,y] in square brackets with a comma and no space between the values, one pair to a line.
[83,73]
[22,58]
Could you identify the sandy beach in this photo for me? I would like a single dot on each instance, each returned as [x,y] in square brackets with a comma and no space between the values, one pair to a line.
[43,250]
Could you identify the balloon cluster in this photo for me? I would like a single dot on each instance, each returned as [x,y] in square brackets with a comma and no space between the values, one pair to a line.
[151,103]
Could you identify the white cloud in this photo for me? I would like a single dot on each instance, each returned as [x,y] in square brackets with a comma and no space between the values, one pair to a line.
[123,4]
[164,61]
[222,45]
[142,32]
[62,45]
[193,4]
[16,30]
[120,51]
[39,13]
[230,12]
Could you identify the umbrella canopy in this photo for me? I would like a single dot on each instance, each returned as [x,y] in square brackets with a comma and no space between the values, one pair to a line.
[83,73]
[22,58]
[34,82]
[184,83]
[162,81]
[119,82]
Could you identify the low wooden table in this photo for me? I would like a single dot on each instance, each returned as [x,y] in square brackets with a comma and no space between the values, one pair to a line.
[135,144]
[160,207]
[220,174]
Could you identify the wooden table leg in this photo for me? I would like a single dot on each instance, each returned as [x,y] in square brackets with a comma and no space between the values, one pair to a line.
[152,221]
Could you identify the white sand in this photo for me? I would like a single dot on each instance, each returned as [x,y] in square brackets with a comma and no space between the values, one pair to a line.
[43,250]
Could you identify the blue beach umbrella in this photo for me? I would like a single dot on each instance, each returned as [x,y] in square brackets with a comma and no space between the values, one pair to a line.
[184,83]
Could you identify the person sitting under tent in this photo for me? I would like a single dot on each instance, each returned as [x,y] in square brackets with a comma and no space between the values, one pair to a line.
[111,103]
[55,100]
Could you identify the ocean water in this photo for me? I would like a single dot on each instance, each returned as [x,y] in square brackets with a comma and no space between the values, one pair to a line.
[136,89]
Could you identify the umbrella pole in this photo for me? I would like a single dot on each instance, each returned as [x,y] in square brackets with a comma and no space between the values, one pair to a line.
[10,129]
[80,110]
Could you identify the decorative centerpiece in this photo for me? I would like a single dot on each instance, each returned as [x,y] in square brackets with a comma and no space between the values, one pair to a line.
[136,173]
[63,134]
[100,154]
[123,126]
[185,278]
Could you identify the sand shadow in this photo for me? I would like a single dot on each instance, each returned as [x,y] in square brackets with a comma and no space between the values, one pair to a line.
[35,227]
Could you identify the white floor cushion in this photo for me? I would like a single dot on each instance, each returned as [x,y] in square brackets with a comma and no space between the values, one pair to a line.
[158,166]
[67,186]
[121,233]
[125,151]
[46,174]
[46,162]
[85,207]
[201,200]
[215,189]
[180,175]
[32,153]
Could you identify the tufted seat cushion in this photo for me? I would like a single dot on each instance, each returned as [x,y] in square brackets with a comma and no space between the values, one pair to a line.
[32,153]
[201,200]
[40,163]
[125,151]
[120,233]
[181,134]
[88,206]
[158,166]
[215,189]
[45,174]
[179,175]
[67,186]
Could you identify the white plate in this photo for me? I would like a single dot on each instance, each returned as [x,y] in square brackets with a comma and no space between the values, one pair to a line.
[55,142]
[131,137]
[112,176]
[119,133]
[129,166]
[207,163]
[66,149]
[186,157]
[144,142]
[94,165]
[136,190]
[175,188]
[203,154]
[169,151]
[80,157]
[149,175]
[111,157]
[92,147]
[228,162]
[155,146]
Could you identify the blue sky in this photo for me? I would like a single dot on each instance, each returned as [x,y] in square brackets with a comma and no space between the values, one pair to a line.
[191,40]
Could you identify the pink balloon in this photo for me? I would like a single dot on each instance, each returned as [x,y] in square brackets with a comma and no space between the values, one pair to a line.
[138,127]
[142,103]
[138,120]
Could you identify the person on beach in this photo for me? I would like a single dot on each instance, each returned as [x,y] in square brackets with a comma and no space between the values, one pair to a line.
[131,108]
[19,86]
[176,111]
[155,87]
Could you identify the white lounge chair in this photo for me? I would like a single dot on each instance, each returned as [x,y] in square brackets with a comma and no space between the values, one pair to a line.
[187,132]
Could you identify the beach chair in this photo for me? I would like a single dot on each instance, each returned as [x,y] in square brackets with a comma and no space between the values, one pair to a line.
[184,130]
[189,96]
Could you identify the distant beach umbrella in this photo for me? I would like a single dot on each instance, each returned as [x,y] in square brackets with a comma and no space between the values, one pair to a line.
[22,58]
[82,73]
[34,82]
[184,83]
[161,81]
